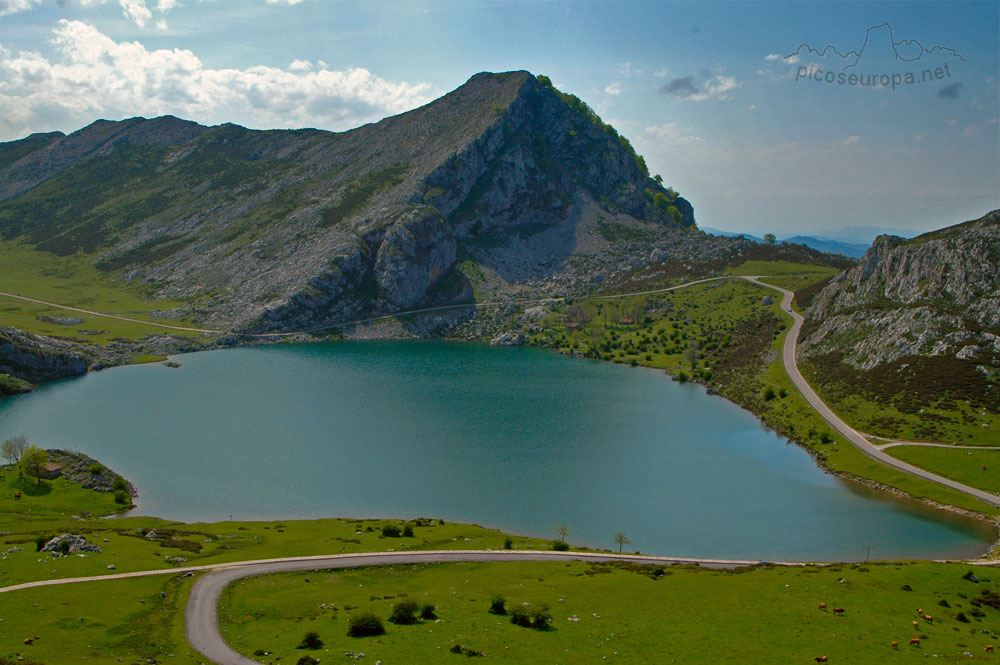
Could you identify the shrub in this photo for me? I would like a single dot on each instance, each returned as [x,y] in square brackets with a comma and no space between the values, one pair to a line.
[497,605]
[122,497]
[682,377]
[769,394]
[405,612]
[519,617]
[508,544]
[307,660]
[560,545]
[407,531]
[365,624]
[96,469]
[540,617]
[390,531]
[119,485]
[311,641]
[428,612]
[40,542]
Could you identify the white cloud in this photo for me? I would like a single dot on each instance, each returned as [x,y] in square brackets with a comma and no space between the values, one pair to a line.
[14,6]
[772,57]
[94,76]
[752,107]
[279,2]
[851,140]
[136,11]
[712,87]
[673,133]
[613,89]
[628,69]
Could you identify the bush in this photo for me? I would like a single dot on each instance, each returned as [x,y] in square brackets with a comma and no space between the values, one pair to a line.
[365,624]
[390,531]
[307,660]
[122,497]
[769,394]
[40,542]
[519,617]
[119,485]
[407,531]
[96,469]
[497,605]
[311,641]
[405,613]
[428,613]
[560,545]
[508,544]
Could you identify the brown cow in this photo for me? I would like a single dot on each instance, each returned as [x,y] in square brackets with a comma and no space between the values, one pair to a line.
[822,606]
[29,640]
[895,644]
[928,618]
[916,625]
[989,648]
[838,610]
[916,641]
[821,659]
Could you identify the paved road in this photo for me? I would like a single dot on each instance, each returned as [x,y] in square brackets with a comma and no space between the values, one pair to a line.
[852,435]
[892,443]
[201,619]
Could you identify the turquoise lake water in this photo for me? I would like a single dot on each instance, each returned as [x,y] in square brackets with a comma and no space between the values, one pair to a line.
[513,438]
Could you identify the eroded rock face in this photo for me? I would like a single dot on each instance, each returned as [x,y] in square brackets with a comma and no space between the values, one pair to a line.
[932,295]
[415,252]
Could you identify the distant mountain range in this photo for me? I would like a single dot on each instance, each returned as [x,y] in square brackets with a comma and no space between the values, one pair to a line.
[851,241]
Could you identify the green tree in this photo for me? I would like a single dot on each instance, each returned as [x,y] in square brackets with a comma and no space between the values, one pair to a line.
[563,530]
[621,540]
[34,460]
[770,238]
[691,355]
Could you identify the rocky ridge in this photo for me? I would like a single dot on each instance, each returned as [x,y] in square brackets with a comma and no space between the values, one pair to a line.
[935,295]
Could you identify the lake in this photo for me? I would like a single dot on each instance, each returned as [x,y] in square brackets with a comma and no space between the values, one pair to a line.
[516,438]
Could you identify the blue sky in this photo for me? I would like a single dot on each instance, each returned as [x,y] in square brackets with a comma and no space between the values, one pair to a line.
[758,141]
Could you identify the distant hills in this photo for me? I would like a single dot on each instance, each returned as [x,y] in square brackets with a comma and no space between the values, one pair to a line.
[851,241]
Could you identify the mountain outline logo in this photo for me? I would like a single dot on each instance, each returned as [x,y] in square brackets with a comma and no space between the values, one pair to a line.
[902,44]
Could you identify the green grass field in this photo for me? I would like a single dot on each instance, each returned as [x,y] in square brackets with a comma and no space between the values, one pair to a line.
[74,282]
[978,468]
[606,613]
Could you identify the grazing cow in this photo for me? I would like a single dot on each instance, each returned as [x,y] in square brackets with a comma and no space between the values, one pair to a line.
[29,640]
[822,606]
[821,659]
[989,648]
[838,610]
[895,644]
[916,625]
[928,618]
[915,641]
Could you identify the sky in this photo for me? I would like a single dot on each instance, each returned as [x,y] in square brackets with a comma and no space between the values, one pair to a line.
[802,117]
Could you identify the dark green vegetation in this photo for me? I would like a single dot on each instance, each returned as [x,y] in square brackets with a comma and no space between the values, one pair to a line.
[638,613]
[10,385]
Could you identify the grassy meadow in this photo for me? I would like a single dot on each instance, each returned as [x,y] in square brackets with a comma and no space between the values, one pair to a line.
[624,613]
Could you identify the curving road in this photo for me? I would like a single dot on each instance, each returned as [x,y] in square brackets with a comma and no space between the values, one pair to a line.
[201,618]
[849,433]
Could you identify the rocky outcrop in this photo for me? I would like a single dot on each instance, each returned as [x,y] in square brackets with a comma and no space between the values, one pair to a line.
[69,543]
[86,471]
[937,294]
